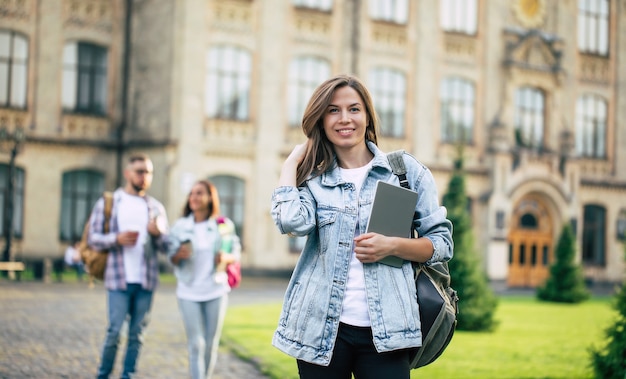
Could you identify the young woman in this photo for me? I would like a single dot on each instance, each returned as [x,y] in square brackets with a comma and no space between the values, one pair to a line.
[202,243]
[344,313]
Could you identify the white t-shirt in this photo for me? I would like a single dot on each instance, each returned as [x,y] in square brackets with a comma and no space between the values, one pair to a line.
[354,309]
[132,214]
[203,287]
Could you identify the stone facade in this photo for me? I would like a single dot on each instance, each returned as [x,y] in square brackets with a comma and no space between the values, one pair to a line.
[156,104]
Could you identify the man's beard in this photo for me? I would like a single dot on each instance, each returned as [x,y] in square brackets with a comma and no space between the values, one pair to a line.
[138,188]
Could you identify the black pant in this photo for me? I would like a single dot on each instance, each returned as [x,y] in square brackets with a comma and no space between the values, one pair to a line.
[355,353]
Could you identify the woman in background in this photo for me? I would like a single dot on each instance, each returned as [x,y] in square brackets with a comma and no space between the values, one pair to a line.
[202,243]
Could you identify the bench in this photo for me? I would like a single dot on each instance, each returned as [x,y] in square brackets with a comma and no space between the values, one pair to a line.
[12,266]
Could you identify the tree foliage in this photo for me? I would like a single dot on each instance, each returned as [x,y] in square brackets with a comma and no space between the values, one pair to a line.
[477,302]
[565,283]
[609,361]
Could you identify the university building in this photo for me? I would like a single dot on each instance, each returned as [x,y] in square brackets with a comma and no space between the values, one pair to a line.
[534,90]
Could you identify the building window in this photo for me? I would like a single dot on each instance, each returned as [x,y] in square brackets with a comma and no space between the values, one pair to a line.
[594,241]
[529,117]
[322,5]
[388,87]
[84,78]
[18,199]
[305,74]
[228,83]
[389,10]
[13,69]
[80,191]
[232,199]
[457,110]
[593,26]
[458,16]
[591,115]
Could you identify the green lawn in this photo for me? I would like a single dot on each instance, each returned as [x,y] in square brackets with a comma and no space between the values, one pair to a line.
[533,340]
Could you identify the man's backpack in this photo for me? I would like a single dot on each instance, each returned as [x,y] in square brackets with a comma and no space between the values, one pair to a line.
[96,261]
[438,302]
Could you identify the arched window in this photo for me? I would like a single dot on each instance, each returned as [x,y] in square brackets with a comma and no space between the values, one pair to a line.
[13,69]
[591,115]
[529,117]
[388,88]
[84,78]
[232,199]
[305,74]
[457,110]
[227,83]
[80,191]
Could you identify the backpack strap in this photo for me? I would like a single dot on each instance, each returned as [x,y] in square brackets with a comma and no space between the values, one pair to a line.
[396,162]
[108,206]
[398,168]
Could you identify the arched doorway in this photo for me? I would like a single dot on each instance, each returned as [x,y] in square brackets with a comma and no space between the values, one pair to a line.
[530,244]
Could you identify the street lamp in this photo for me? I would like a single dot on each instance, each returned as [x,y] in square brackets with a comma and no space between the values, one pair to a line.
[11,142]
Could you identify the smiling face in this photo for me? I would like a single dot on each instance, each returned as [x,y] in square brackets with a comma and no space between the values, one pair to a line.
[345,119]
[199,198]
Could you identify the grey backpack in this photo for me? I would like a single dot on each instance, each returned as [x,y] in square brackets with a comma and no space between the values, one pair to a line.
[438,302]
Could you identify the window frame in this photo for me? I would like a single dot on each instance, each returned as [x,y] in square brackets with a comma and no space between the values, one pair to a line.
[16,95]
[591,129]
[594,27]
[594,238]
[306,73]
[223,82]
[18,199]
[85,78]
[393,11]
[461,100]
[388,87]
[232,195]
[530,134]
[459,16]
[78,200]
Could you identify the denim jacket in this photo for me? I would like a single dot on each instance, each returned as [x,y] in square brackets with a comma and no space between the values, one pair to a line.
[327,211]
[182,230]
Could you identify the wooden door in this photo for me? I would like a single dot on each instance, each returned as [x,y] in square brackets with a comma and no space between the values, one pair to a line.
[530,244]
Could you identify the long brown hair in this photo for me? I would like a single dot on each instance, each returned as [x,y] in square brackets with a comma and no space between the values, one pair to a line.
[320,152]
[214,199]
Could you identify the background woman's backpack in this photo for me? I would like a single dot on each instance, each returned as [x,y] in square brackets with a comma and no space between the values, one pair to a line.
[438,302]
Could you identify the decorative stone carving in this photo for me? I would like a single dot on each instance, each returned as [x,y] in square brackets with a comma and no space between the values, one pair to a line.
[312,26]
[12,119]
[460,46]
[97,14]
[16,9]
[533,50]
[230,137]
[390,35]
[594,69]
[75,126]
[232,15]
[530,13]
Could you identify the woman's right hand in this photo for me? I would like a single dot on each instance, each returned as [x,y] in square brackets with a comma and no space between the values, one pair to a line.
[289,171]
[297,154]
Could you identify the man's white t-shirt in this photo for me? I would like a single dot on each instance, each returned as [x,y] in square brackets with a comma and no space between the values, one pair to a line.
[132,214]
[354,309]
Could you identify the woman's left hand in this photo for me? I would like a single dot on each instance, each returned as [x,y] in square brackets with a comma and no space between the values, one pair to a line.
[372,247]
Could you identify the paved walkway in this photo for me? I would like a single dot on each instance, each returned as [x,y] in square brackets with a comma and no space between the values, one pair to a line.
[55,330]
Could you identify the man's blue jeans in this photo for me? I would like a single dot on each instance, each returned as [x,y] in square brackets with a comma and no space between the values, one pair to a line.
[134,302]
